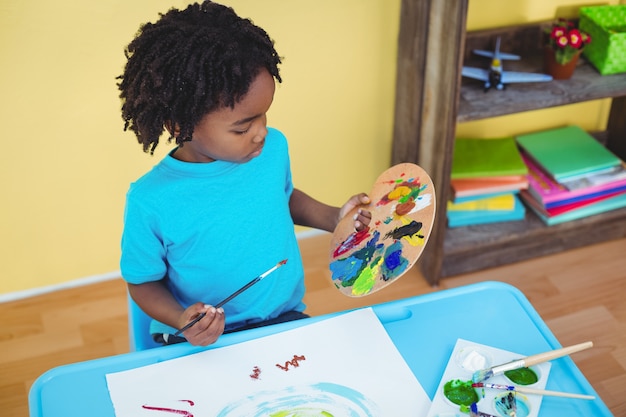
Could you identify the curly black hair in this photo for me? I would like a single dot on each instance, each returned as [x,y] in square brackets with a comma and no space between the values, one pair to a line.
[187,64]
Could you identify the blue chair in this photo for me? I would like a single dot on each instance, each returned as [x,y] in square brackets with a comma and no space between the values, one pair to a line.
[139,328]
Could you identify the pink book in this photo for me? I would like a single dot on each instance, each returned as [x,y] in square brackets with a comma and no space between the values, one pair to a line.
[565,208]
[552,194]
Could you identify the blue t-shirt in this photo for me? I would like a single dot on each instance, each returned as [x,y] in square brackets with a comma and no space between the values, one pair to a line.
[210,228]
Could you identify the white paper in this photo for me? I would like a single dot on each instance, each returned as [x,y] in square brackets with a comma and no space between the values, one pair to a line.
[344,366]
[468,357]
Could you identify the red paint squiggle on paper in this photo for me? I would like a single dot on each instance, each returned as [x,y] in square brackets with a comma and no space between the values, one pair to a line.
[256,372]
[293,362]
[172,410]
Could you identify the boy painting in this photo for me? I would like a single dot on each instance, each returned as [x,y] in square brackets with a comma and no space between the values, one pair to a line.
[220,208]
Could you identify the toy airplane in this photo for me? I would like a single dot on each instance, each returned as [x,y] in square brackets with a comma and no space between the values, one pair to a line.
[495,76]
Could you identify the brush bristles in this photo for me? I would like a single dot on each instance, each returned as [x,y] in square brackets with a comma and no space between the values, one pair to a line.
[480,376]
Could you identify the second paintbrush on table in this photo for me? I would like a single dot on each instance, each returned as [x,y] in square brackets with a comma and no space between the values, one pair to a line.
[535,391]
[233,295]
[484,374]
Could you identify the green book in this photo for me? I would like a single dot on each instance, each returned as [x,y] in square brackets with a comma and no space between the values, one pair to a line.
[567,152]
[495,157]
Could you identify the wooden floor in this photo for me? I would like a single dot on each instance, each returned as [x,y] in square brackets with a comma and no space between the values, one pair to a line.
[581,294]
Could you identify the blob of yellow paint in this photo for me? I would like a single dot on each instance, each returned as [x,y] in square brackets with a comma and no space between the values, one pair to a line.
[399,192]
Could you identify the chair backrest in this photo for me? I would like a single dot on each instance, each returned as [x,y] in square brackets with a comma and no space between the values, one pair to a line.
[139,328]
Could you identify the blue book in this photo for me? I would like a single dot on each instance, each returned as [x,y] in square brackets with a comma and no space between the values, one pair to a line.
[476,217]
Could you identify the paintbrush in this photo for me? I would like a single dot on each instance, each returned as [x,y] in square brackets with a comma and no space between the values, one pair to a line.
[533,391]
[233,295]
[480,376]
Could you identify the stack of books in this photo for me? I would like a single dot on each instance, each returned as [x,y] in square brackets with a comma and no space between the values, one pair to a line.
[571,175]
[486,176]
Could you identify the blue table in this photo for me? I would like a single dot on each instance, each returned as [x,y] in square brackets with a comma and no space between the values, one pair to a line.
[424,329]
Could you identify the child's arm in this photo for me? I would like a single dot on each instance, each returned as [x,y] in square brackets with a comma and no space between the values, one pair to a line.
[156,300]
[306,211]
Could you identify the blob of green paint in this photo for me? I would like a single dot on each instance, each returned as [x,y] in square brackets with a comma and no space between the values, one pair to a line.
[367,279]
[460,392]
[522,376]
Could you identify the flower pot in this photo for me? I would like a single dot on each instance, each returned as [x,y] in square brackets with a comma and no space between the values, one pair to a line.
[556,70]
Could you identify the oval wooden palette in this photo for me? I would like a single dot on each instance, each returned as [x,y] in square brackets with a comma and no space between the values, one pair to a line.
[403,209]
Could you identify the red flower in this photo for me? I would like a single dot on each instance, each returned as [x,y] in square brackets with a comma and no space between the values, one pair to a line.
[562,41]
[566,40]
[557,32]
[575,38]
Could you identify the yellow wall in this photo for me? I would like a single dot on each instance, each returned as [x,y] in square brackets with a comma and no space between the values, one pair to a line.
[66,163]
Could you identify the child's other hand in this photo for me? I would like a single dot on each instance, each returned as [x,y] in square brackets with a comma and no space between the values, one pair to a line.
[208,329]
[363,217]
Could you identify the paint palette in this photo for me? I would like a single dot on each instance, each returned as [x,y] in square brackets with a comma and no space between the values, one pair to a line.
[403,209]
[469,357]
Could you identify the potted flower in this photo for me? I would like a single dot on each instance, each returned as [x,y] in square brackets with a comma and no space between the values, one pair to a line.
[565,43]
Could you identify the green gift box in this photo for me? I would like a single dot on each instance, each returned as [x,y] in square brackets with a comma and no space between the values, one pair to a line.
[607,27]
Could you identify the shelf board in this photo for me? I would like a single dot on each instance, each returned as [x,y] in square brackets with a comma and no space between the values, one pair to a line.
[473,248]
[475,104]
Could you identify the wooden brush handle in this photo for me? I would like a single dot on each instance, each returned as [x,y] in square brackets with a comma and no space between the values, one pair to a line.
[557,353]
[554,393]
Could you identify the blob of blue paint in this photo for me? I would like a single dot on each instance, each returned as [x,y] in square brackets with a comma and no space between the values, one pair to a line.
[395,264]
[393,260]
[347,270]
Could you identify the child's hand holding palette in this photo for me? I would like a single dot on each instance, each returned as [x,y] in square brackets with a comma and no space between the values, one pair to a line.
[403,209]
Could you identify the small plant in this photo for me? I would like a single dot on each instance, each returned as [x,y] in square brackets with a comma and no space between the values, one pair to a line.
[566,40]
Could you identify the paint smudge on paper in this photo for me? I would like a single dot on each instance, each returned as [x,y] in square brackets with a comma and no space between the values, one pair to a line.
[256,373]
[323,399]
[295,362]
[172,410]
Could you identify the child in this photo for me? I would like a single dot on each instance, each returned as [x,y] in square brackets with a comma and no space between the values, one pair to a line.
[220,209]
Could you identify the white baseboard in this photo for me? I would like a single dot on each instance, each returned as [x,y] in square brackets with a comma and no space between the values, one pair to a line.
[18,295]
[94,279]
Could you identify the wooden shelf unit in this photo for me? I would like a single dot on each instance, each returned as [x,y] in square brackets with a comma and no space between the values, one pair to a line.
[432,97]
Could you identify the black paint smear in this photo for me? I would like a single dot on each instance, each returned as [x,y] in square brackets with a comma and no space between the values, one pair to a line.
[407,230]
